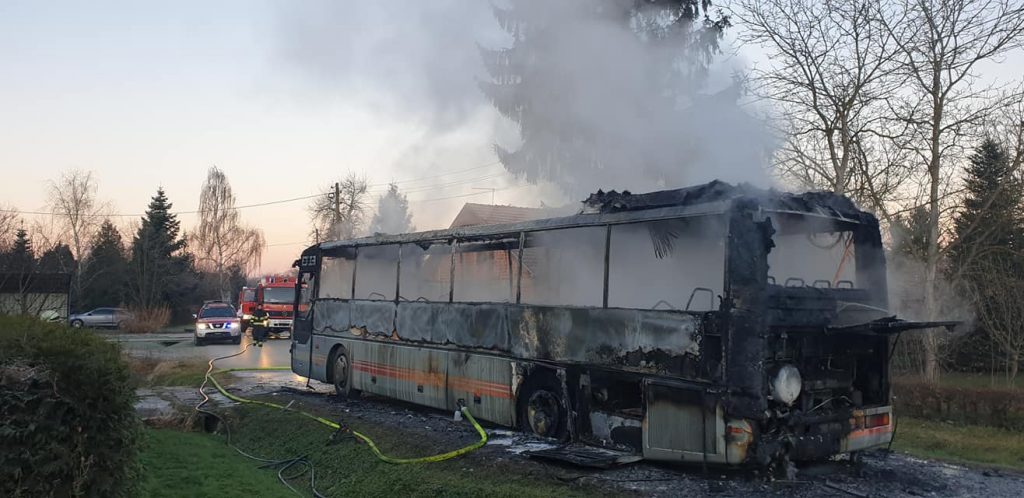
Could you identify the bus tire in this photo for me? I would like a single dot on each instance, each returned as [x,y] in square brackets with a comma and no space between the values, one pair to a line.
[542,408]
[341,374]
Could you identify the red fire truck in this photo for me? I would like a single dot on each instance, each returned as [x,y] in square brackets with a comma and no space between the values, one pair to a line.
[246,305]
[277,295]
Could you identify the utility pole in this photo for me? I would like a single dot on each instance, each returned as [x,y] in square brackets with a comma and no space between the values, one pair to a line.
[337,206]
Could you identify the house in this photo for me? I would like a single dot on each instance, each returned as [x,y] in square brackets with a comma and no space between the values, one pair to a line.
[473,214]
[41,294]
[489,273]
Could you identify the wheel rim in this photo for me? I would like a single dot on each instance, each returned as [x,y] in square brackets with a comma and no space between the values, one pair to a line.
[542,412]
[76,324]
[340,372]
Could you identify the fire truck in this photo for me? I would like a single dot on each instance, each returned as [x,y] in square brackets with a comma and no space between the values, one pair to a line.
[246,305]
[277,295]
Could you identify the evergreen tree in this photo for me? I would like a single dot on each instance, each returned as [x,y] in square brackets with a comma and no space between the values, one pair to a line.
[20,258]
[161,272]
[105,273]
[910,234]
[57,259]
[989,229]
[392,214]
[986,257]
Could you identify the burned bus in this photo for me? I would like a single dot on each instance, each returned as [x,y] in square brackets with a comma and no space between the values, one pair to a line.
[715,324]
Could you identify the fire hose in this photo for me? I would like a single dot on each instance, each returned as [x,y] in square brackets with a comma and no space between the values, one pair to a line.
[210,377]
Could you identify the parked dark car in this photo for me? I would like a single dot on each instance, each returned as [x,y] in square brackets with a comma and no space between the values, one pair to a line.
[100,318]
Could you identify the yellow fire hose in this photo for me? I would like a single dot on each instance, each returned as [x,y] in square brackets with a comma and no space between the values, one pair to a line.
[369,442]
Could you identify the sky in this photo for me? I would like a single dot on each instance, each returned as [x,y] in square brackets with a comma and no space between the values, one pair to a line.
[284,97]
[148,94]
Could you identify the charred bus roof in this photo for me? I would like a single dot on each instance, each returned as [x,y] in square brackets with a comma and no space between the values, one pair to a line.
[603,208]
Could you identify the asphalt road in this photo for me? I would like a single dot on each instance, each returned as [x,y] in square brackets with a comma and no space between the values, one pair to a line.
[274,352]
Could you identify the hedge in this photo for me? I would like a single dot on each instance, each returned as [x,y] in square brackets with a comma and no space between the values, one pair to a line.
[1003,408]
[67,420]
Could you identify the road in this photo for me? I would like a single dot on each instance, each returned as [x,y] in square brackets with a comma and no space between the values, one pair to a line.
[178,346]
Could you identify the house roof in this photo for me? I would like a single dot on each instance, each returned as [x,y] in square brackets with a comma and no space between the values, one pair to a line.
[36,282]
[473,214]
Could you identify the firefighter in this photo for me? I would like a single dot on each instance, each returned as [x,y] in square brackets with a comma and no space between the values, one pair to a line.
[259,325]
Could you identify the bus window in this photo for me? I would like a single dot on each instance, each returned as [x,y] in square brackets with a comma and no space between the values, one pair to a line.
[660,264]
[811,252]
[425,272]
[305,294]
[336,277]
[485,271]
[377,272]
[564,267]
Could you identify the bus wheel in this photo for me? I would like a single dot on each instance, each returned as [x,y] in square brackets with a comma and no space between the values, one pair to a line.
[542,409]
[341,375]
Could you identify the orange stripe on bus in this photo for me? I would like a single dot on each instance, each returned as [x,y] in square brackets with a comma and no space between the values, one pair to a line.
[475,386]
[870,432]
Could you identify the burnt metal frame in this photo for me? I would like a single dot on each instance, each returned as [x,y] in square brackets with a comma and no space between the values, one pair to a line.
[457,237]
[454,237]
[742,312]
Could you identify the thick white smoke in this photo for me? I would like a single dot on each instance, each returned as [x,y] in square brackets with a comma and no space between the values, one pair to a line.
[422,63]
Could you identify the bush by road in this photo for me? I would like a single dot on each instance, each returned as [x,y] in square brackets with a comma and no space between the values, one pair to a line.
[67,419]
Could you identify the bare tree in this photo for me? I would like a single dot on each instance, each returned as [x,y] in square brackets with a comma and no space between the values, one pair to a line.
[220,240]
[998,292]
[76,215]
[831,65]
[340,213]
[77,212]
[941,44]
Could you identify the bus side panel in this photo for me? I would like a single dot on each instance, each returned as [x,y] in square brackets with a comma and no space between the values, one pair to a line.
[676,427]
[408,373]
[371,367]
[420,376]
[321,349]
[484,383]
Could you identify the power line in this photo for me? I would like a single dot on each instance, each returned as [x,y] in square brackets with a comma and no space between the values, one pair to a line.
[293,199]
[489,191]
[436,176]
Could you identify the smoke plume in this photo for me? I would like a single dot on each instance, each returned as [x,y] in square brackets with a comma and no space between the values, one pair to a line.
[631,100]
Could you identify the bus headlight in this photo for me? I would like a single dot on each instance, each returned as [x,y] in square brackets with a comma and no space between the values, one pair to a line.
[786,384]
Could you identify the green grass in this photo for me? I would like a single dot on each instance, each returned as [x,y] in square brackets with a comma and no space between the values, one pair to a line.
[176,463]
[960,443]
[350,469]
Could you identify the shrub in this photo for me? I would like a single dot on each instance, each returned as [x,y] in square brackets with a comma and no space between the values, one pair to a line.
[147,320]
[1003,408]
[67,418]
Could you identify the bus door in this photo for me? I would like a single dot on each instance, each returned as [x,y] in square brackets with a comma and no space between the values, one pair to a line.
[302,325]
